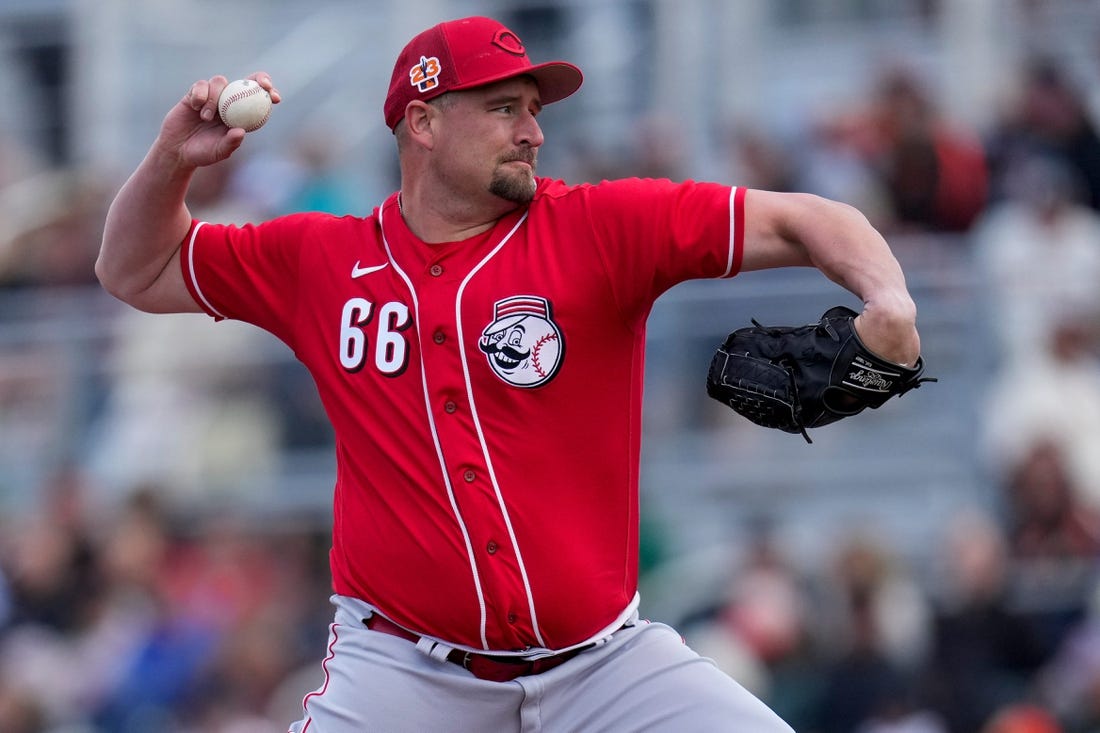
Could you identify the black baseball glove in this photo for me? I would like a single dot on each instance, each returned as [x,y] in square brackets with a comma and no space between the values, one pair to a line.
[798,377]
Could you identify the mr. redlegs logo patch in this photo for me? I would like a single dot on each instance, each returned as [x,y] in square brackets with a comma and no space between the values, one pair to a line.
[523,344]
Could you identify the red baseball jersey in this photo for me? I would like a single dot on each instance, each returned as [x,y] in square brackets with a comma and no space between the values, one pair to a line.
[486,394]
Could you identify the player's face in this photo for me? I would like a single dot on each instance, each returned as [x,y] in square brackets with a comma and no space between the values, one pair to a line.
[491,139]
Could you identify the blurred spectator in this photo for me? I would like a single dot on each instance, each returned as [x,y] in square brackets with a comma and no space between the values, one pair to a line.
[758,634]
[1051,395]
[1047,520]
[765,607]
[875,628]
[1054,541]
[933,172]
[1039,253]
[1071,681]
[49,648]
[983,653]
[1049,116]
[874,599]
[49,558]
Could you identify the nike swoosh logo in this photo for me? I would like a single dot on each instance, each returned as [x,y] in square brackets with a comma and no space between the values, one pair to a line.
[358,271]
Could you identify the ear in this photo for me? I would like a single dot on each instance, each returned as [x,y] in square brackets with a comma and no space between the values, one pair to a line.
[418,120]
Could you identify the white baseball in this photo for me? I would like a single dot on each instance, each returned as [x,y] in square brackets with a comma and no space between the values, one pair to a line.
[245,104]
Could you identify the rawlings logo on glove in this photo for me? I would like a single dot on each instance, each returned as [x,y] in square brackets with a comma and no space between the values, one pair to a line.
[796,377]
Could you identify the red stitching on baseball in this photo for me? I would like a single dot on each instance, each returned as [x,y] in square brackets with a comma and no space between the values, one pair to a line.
[535,352]
[239,95]
[246,92]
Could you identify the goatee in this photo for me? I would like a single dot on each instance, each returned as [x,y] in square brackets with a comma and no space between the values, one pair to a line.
[512,186]
[517,189]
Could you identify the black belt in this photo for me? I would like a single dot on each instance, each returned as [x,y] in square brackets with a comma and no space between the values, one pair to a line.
[482,666]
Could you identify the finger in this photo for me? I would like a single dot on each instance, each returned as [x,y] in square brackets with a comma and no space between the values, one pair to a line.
[214,87]
[264,80]
[197,95]
[229,143]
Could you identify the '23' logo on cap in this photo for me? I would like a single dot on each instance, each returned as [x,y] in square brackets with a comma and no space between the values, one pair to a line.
[425,75]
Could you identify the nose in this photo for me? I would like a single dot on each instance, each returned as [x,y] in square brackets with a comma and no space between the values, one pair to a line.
[528,131]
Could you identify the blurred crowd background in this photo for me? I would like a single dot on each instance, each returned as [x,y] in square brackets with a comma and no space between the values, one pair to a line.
[931,567]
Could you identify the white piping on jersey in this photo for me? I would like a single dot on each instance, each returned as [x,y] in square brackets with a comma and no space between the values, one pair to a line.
[733,234]
[195,276]
[435,440]
[481,433]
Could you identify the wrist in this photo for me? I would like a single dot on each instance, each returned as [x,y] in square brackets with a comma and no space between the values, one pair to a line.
[890,330]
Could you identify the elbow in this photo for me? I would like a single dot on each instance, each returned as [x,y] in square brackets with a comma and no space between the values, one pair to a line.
[103,275]
[108,280]
[126,289]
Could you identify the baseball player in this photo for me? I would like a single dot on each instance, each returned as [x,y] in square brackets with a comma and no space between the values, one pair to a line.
[477,342]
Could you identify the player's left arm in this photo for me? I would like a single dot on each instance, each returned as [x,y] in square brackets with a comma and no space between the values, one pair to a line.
[794,229]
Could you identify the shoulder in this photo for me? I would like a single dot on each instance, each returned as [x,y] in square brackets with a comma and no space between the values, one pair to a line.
[321,220]
[305,226]
[297,232]
[634,191]
[556,188]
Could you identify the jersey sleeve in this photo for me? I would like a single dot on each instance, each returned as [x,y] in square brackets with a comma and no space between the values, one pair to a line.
[248,273]
[654,234]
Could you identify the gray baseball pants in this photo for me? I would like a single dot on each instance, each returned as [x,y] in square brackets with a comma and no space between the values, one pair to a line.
[644,679]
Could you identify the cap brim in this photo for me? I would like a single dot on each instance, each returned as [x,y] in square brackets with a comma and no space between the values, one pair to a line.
[556,79]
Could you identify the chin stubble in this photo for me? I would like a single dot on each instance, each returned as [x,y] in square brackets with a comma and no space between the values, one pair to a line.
[515,187]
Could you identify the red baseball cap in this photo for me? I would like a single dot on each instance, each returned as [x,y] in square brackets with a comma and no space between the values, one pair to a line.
[468,53]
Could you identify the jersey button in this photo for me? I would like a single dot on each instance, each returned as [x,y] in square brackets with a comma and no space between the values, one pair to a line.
[436,270]
[439,337]
[491,547]
[469,476]
[512,618]
[450,406]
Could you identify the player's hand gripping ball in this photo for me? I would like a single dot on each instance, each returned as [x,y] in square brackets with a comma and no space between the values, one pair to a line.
[245,104]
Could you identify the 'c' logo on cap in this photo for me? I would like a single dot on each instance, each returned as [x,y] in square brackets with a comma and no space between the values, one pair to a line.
[425,75]
[509,41]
